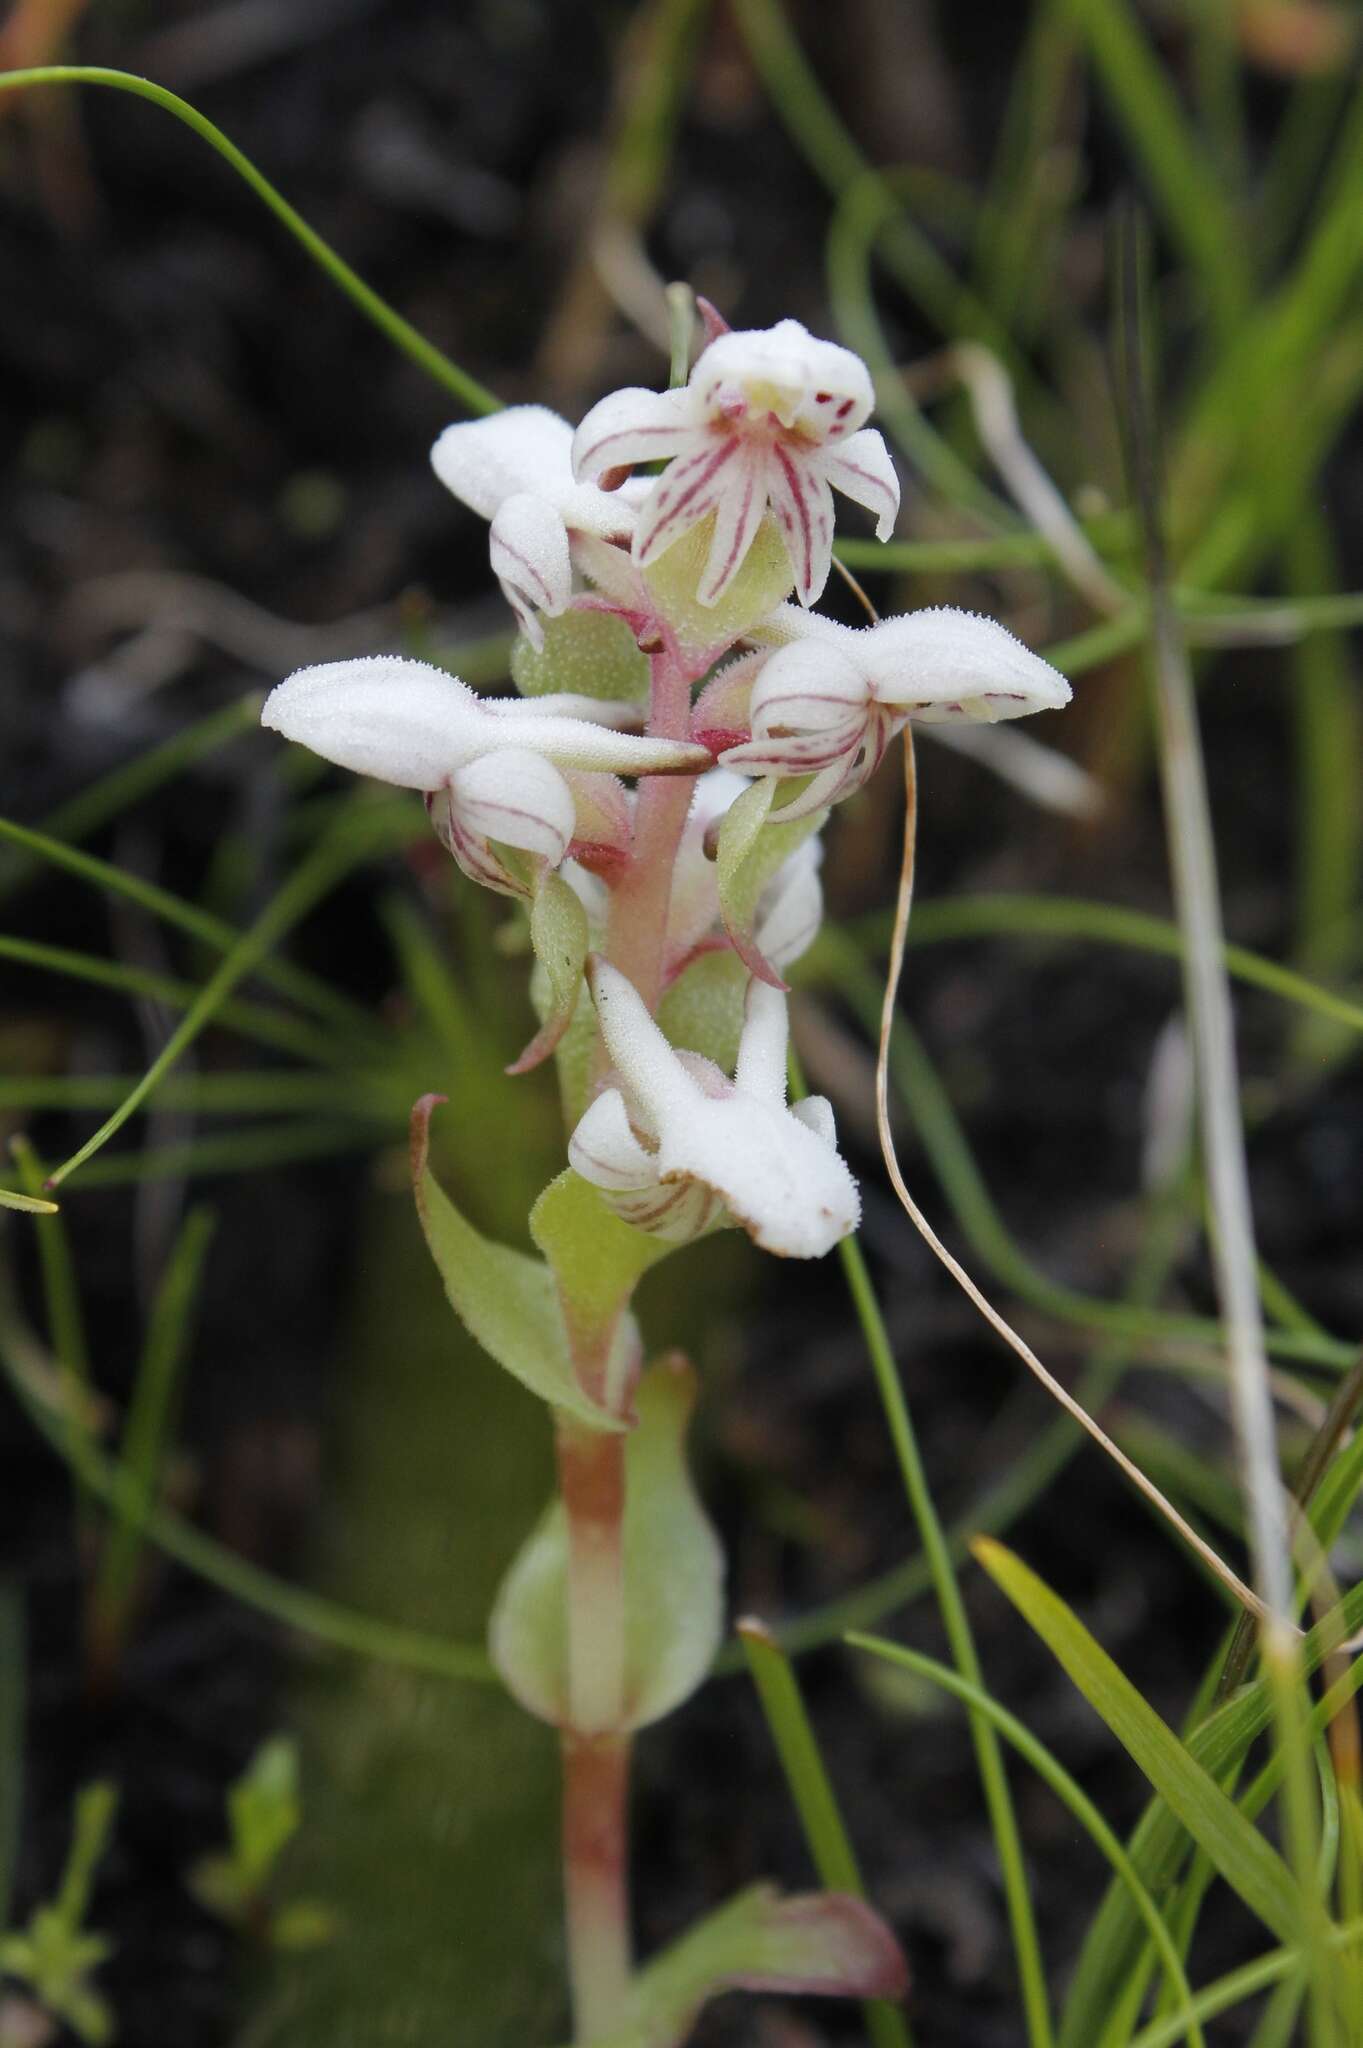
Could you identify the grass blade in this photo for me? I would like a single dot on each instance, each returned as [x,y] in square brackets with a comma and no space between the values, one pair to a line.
[1063,1785]
[815,1801]
[145,1434]
[1249,1865]
[400,332]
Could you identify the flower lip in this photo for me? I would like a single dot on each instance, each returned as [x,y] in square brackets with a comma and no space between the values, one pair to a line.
[814,387]
[774,1168]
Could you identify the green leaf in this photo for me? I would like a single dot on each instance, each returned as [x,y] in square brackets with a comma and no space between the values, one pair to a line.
[559,936]
[674,1574]
[820,1943]
[264,1811]
[30,1205]
[752,846]
[303,1924]
[505,1299]
[1251,1868]
[591,653]
[597,1259]
[764,580]
[215,1883]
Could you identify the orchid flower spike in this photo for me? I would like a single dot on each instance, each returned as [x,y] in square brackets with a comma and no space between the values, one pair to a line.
[828,701]
[506,770]
[515,469]
[769,416]
[678,1149]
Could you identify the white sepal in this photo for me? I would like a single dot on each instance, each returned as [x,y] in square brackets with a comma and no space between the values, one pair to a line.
[528,550]
[944,663]
[396,720]
[633,426]
[518,798]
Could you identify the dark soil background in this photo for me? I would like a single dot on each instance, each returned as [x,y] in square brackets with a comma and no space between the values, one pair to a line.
[184,396]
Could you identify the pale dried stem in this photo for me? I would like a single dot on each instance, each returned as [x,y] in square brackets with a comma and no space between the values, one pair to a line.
[1193,857]
[991,397]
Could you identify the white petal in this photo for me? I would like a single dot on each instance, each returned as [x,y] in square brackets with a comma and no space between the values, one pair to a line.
[791,909]
[515,797]
[400,721]
[823,389]
[579,742]
[807,687]
[687,490]
[693,906]
[657,1081]
[633,426]
[738,515]
[816,1111]
[528,549]
[522,448]
[862,470]
[945,663]
[761,1068]
[605,1151]
[803,505]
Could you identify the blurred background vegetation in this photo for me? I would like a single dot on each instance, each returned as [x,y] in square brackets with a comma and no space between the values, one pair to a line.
[252,1477]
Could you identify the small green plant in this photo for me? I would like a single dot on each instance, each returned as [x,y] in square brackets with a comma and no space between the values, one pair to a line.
[264,1813]
[56,1955]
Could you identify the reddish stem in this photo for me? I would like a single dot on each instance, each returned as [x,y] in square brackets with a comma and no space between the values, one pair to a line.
[637,933]
[595,1879]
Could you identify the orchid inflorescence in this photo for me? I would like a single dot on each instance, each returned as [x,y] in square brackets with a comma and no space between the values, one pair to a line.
[653,798]
[522,788]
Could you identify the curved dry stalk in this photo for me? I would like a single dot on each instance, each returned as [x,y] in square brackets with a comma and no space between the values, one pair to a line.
[1215,1563]
[990,389]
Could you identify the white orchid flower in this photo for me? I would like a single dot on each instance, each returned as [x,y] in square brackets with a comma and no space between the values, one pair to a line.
[679,1149]
[788,912]
[829,699]
[768,417]
[514,468]
[533,773]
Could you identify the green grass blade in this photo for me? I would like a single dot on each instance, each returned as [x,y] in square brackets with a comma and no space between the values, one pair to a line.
[250,1020]
[306,989]
[400,332]
[116,792]
[310,1613]
[1249,1865]
[1063,1785]
[938,1128]
[310,881]
[1245,1983]
[62,1306]
[993,1777]
[814,1797]
[147,1429]
[286,1143]
[857,221]
[28,1205]
[1074,917]
[1193,207]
